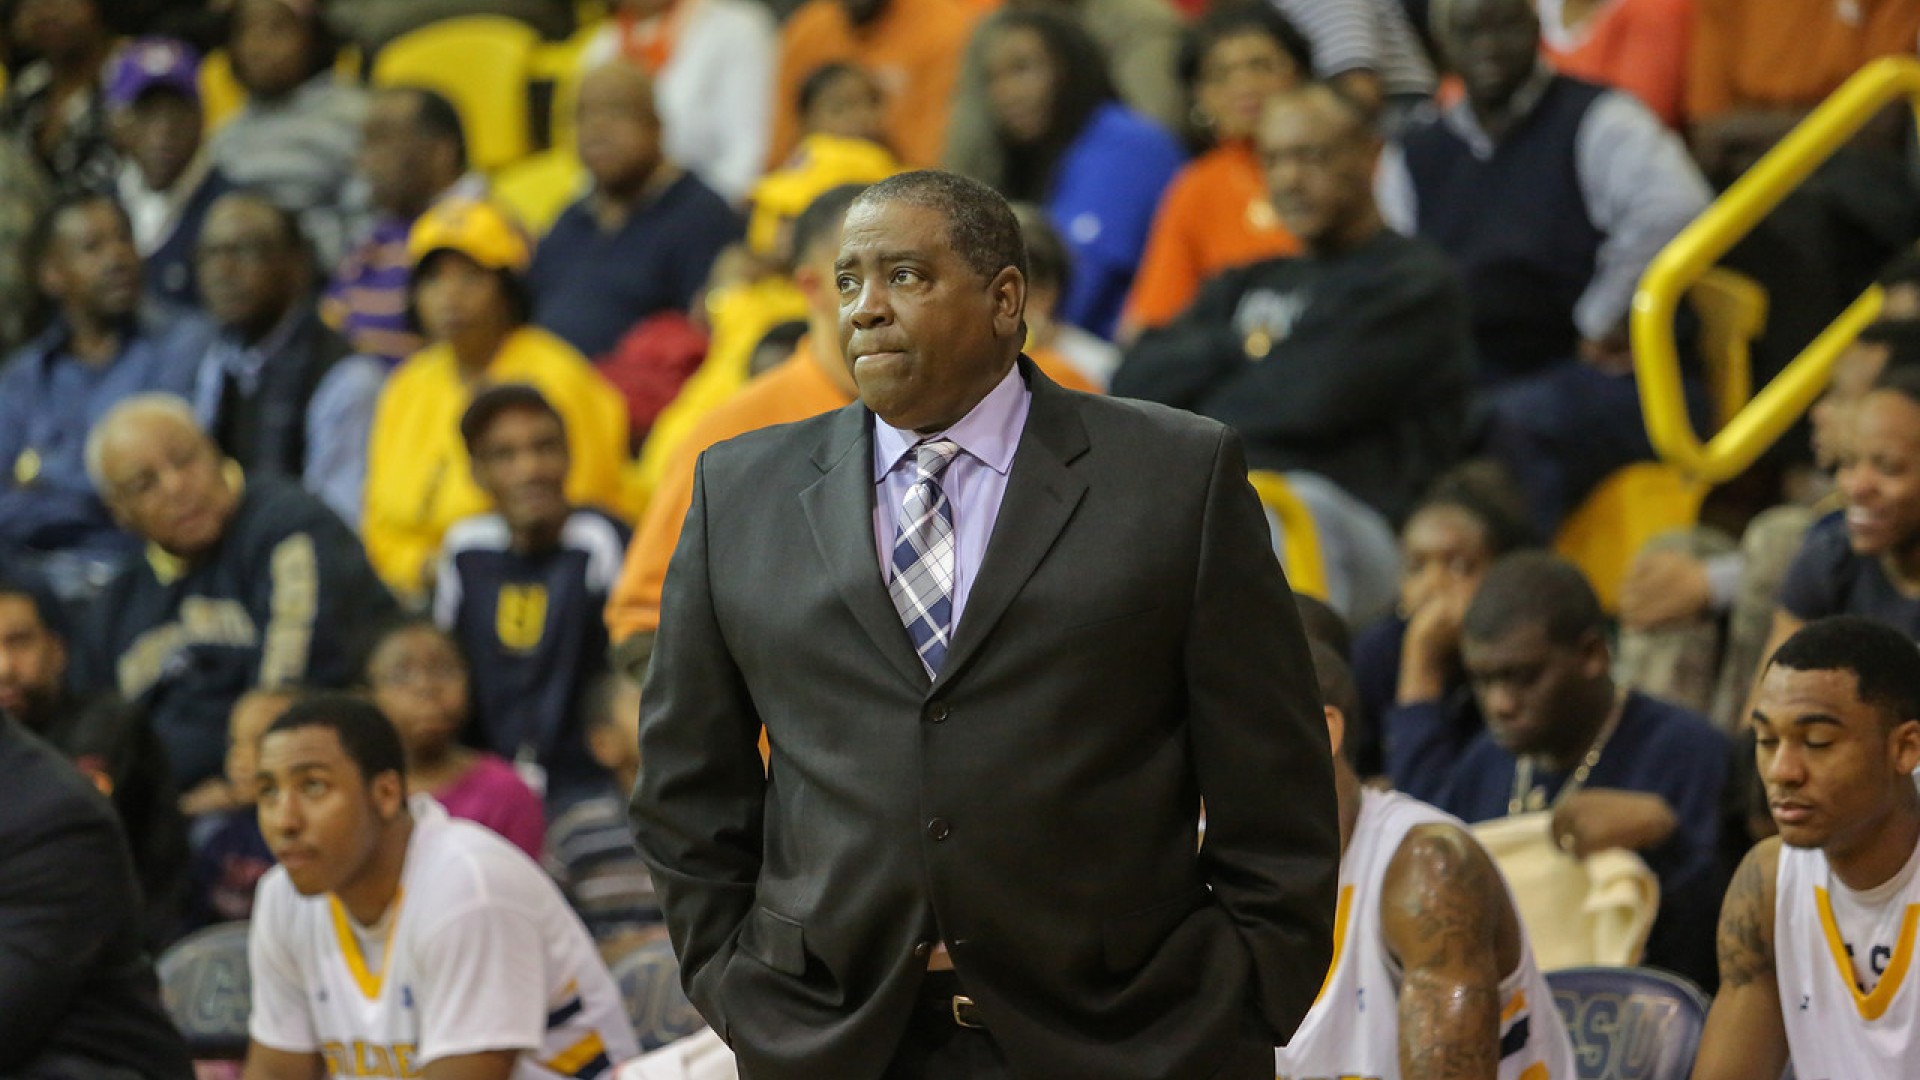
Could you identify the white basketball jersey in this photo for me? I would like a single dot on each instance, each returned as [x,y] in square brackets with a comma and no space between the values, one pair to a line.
[1836,1030]
[1353,1029]
[480,953]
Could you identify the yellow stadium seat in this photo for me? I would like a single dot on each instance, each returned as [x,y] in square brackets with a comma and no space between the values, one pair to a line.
[557,63]
[1300,554]
[1630,507]
[480,62]
[537,188]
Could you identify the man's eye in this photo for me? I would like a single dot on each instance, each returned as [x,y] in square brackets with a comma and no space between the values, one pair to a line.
[903,276]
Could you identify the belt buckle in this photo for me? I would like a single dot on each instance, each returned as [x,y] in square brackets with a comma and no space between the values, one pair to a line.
[963,1012]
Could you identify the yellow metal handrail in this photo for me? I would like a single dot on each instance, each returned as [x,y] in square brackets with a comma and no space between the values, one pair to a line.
[1691,254]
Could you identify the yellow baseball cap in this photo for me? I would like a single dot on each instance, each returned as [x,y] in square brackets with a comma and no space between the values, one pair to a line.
[475,228]
[820,164]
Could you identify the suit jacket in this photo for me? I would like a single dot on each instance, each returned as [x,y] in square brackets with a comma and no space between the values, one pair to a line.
[1128,649]
[78,996]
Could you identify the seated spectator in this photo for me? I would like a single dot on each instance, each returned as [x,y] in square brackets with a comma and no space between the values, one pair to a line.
[590,851]
[1371,51]
[100,346]
[1551,195]
[913,49]
[1754,73]
[297,134]
[499,978]
[248,581]
[814,380]
[712,63]
[78,996]
[25,196]
[522,590]
[1865,559]
[111,744]
[845,101]
[1410,660]
[412,152]
[643,240]
[1071,356]
[1141,43]
[1618,769]
[1682,585]
[420,682]
[1639,46]
[1351,364]
[1097,167]
[54,105]
[469,291]
[281,393]
[1217,214]
[167,181]
[229,854]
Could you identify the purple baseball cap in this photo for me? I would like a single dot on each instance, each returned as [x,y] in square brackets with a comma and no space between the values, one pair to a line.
[153,63]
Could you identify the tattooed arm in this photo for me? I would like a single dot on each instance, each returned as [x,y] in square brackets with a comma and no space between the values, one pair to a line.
[1447,918]
[1745,1036]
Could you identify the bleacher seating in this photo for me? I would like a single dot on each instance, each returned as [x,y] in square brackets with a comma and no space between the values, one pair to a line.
[208,991]
[1629,1023]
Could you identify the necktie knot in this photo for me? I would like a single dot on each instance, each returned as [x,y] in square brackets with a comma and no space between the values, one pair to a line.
[932,458]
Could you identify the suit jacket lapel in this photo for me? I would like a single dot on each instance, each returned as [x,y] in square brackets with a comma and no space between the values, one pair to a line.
[1041,495]
[839,508]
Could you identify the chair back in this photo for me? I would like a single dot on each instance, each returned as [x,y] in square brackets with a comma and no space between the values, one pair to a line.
[207,990]
[1298,534]
[649,981]
[480,62]
[1629,1023]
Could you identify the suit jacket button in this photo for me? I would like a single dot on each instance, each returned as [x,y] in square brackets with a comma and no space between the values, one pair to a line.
[937,713]
[923,950]
[939,828]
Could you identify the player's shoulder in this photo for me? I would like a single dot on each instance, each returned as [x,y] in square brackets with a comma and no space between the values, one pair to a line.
[458,864]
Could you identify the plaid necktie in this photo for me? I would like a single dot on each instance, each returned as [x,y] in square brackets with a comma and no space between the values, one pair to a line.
[923,557]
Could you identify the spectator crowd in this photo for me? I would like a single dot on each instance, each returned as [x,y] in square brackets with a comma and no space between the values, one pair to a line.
[303,394]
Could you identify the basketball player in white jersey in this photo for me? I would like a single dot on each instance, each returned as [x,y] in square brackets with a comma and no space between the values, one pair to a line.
[1432,976]
[1817,933]
[395,941]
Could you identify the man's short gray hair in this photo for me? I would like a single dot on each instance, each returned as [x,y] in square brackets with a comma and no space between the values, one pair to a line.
[151,403]
[980,224]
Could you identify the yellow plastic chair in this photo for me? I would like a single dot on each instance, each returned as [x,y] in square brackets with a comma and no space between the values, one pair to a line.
[480,62]
[1733,314]
[538,188]
[1300,546]
[557,64]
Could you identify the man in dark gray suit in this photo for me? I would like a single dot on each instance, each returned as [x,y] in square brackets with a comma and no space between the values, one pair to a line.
[1004,639]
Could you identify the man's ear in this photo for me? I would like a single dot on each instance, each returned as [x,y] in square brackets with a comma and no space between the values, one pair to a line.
[1336,728]
[1595,659]
[389,794]
[1903,746]
[1009,289]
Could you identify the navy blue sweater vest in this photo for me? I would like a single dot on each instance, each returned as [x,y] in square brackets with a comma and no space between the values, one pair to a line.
[1516,225]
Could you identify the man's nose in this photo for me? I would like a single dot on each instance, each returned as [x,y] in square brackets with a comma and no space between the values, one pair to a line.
[871,307]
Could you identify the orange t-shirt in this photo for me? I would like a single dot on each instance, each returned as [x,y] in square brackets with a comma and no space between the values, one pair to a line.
[1789,53]
[912,48]
[1639,46]
[1214,215]
[793,389]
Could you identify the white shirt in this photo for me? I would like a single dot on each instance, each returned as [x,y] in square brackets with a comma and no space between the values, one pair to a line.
[1353,1029]
[1825,939]
[480,953]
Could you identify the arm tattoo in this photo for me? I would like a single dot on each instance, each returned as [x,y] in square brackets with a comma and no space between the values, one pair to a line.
[1443,915]
[1746,956]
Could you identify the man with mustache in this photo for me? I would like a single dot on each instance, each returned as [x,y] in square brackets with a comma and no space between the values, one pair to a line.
[996,633]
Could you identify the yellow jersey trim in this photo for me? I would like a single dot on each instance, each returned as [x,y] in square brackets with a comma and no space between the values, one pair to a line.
[1340,917]
[1514,1007]
[1871,1006]
[368,982]
[573,1058]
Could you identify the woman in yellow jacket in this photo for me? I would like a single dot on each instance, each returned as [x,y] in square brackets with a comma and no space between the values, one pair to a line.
[468,291]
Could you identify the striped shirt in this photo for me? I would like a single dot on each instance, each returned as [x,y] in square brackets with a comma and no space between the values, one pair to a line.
[1364,35]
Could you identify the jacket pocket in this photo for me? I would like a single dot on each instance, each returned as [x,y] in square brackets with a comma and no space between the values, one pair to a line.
[775,940]
[1130,939]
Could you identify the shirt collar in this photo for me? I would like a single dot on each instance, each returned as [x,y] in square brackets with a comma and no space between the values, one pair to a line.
[990,433]
[1465,124]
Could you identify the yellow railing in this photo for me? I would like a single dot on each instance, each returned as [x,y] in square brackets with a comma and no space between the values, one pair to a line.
[1748,433]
